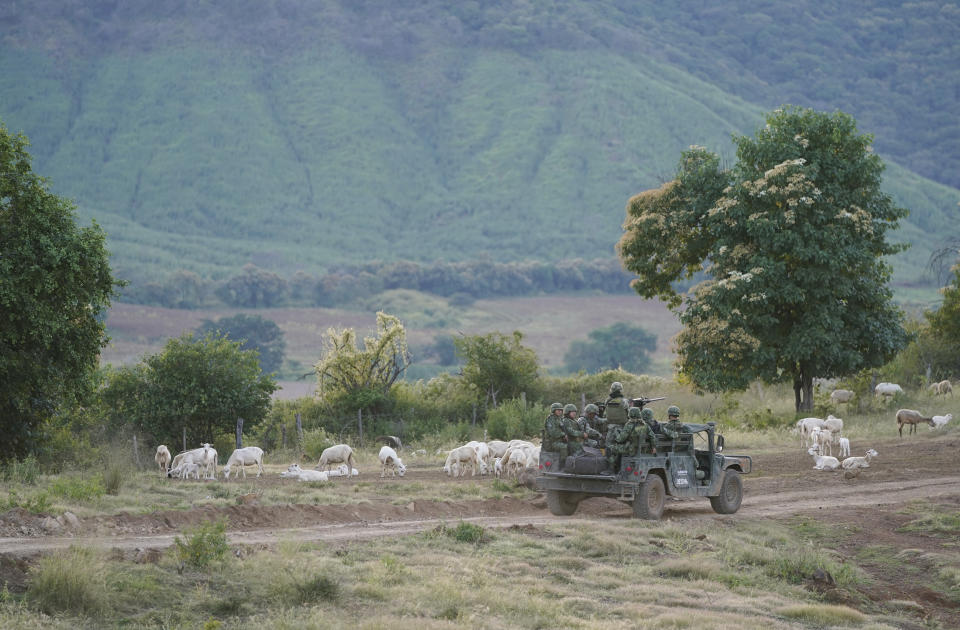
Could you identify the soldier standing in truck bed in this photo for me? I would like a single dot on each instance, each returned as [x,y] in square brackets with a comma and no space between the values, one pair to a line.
[673,428]
[586,422]
[615,412]
[553,435]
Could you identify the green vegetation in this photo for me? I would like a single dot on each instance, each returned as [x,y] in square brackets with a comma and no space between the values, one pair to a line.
[496,366]
[69,582]
[795,228]
[621,345]
[55,285]
[254,333]
[497,123]
[203,545]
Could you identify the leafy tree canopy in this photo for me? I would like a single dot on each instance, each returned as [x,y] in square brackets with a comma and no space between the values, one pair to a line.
[497,366]
[362,377]
[792,239]
[55,283]
[621,345]
[254,333]
[200,384]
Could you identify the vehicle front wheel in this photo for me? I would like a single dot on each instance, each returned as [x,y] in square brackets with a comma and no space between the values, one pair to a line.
[650,499]
[562,503]
[731,494]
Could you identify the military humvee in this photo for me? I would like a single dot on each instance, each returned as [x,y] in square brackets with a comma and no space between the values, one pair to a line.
[690,465]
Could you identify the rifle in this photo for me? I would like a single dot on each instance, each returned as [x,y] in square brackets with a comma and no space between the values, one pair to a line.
[640,402]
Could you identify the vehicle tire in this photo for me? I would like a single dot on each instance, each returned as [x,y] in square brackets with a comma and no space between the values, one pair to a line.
[562,503]
[650,499]
[731,493]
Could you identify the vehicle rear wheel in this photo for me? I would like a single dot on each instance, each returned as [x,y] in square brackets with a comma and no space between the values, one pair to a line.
[731,494]
[562,503]
[650,499]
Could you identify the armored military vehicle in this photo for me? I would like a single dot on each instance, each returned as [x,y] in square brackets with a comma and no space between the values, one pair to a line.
[688,465]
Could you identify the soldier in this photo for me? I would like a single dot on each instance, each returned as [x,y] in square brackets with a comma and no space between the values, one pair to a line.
[652,425]
[553,435]
[586,424]
[575,436]
[673,427]
[629,439]
[615,411]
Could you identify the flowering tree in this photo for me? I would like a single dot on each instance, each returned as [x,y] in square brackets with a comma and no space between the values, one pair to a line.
[362,375]
[791,240]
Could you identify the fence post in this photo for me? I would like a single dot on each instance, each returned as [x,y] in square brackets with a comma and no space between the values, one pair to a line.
[184,439]
[136,451]
[283,436]
[360,425]
[239,432]
[299,438]
[583,400]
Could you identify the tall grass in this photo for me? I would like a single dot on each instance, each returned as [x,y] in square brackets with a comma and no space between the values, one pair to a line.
[69,581]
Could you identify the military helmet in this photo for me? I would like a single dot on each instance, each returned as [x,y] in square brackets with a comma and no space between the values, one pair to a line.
[673,411]
[568,408]
[556,406]
[591,408]
[647,414]
[634,412]
[616,386]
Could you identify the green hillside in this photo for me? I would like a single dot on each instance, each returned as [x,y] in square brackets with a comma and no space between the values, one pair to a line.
[297,136]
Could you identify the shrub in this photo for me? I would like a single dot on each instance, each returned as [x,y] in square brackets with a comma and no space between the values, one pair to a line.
[466,532]
[37,503]
[78,488]
[513,420]
[319,588]
[113,479]
[67,582]
[203,544]
[25,471]
[315,441]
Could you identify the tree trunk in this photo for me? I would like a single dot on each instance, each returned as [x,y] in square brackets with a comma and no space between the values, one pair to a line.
[796,391]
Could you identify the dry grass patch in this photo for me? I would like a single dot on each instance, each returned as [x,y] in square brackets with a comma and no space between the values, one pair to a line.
[824,614]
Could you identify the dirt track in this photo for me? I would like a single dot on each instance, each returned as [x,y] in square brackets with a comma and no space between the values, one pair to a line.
[782,484]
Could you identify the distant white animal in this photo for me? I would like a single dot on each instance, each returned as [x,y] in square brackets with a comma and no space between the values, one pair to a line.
[839,396]
[459,459]
[335,455]
[390,460]
[193,455]
[833,424]
[940,421]
[944,388]
[295,472]
[888,390]
[184,469]
[243,457]
[498,466]
[806,426]
[497,448]
[208,461]
[483,454]
[823,462]
[343,471]
[859,462]
[844,447]
[162,457]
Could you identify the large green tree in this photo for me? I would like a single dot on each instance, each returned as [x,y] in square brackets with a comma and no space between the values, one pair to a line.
[791,239]
[199,384]
[497,366]
[55,285]
[621,345]
[254,333]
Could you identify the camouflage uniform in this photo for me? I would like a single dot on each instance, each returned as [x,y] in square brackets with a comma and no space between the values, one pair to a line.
[575,436]
[553,435]
[586,423]
[652,425]
[629,439]
[615,412]
[673,427]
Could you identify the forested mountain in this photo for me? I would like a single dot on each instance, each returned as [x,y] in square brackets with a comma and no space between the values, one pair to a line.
[297,135]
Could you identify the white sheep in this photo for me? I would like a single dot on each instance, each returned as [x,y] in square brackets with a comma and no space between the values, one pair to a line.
[295,472]
[940,421]
[184,469]
[335,455]
[193,455]
[498,466]
[944,388]
[844,447]
[208,461]
[806,427]
[859,462]
[389,459]
[243,457]
[162,457]
[343,471]
[888,390]
[823,462]
[913,418]
[483,455]
[459,458]
[839,396]
[497,448]
[834,424]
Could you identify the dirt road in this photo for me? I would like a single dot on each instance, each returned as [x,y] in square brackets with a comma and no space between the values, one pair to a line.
[783,484]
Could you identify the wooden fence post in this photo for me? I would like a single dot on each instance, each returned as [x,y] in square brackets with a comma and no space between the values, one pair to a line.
[299,437]
[184,439]
[583,400]
[283,436]
[239,432]
[136,452]
[360,425]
